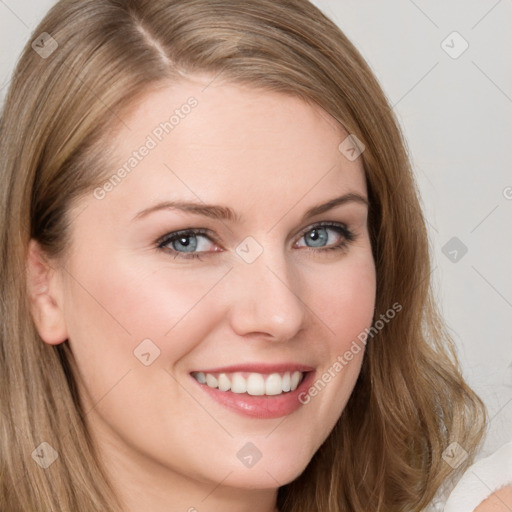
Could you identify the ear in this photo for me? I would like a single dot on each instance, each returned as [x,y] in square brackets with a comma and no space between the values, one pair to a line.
[45,295]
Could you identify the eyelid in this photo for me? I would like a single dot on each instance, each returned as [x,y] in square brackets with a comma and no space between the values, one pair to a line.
[164,240]
[326,224]
[210,234]
[162,243]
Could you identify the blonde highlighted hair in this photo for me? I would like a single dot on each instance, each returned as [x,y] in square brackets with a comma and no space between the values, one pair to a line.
[410,401]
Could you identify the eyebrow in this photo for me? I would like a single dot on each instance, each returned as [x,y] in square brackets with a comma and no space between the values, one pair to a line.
[225,213]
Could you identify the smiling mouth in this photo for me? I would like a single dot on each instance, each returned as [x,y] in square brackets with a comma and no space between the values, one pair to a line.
[252,383]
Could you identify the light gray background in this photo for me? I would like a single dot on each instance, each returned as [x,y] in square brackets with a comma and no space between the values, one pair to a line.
[456,114]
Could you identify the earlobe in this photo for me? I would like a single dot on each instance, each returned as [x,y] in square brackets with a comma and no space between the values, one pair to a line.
[44,289]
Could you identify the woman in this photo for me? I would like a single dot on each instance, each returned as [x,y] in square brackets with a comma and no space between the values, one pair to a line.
[216,272]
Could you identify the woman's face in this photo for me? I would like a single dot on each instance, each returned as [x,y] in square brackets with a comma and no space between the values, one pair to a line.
[278,279]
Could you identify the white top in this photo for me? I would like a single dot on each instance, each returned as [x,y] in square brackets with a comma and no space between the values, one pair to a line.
[482,479]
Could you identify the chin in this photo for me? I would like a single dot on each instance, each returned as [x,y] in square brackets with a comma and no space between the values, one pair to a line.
[274,469]
[269,476]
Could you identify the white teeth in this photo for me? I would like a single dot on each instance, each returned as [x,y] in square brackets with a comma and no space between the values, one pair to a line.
[200,377]
[255,384]
[238,384]
[286,383]
[224,382]
[273,385]
[295,380]
[211,381]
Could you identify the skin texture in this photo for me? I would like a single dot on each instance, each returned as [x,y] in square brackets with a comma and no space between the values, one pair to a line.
[270,157]
[500,501]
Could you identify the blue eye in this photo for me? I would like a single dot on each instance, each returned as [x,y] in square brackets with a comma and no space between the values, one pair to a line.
[317,236]
[187,244]
[328,237]
[194,243]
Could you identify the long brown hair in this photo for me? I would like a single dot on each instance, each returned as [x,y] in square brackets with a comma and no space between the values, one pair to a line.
[410,401]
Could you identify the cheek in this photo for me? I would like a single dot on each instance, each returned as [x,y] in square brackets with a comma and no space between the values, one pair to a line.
[113,308]
[345,299]
[345,306]
[115,311]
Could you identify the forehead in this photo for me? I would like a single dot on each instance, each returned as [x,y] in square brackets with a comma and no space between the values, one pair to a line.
[219,141]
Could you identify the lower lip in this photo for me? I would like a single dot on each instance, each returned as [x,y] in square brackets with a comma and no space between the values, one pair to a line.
[261,406]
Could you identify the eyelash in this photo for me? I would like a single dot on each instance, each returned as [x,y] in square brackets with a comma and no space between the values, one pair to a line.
[163,242]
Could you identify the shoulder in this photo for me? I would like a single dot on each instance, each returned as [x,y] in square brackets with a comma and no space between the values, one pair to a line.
[486,486]
[500,501]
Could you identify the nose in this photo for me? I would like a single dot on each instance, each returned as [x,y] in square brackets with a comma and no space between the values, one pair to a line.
[265,299]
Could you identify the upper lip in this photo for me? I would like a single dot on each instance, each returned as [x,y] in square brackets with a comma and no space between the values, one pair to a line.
[260,368]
